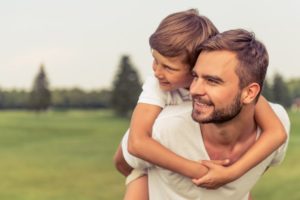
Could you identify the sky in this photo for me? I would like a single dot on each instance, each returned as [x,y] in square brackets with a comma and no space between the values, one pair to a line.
[80,42]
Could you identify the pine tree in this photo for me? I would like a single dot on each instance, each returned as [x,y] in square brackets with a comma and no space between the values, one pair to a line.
[280,91]
[267,91]
[126,88]
[40,95]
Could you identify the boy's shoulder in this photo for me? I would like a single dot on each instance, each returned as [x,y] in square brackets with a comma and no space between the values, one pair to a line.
[153,94]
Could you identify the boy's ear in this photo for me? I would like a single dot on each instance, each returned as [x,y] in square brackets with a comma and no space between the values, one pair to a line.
[250,92]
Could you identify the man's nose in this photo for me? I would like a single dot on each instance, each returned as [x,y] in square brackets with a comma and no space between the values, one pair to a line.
[197,87]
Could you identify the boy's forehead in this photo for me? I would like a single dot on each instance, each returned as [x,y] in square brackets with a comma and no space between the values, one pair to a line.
[168,60]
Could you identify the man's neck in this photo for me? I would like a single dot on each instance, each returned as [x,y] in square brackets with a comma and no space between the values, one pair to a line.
[230,139]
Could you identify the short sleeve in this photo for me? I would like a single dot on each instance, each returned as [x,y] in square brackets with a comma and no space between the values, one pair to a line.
[152,94]
[131,160]
[284,118]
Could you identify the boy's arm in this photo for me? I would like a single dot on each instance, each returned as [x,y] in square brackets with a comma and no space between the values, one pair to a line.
[272,137]
[250,196]
[141,144]
[120,163]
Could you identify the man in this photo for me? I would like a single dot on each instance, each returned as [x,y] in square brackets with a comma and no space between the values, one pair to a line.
[228,78]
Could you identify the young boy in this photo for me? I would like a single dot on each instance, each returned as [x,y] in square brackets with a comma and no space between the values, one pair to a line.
[174,49]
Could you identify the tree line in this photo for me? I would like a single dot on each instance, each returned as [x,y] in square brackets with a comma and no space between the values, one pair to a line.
[123,96]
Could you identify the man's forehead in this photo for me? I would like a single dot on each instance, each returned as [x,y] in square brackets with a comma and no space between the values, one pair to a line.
[217,59]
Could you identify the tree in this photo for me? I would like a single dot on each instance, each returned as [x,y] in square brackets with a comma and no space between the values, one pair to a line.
[280,91]
[294,88]
[267,91]
[40,95]
[126,88]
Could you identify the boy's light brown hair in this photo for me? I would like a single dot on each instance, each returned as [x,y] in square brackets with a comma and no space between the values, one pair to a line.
[180,34]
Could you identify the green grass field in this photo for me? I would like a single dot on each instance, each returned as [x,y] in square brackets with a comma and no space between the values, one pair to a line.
[68,156]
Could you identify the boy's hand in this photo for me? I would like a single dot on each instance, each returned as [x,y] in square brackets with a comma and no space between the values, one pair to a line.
[217,175]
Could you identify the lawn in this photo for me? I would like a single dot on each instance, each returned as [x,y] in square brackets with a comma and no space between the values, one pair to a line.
[68,156]
[59,155]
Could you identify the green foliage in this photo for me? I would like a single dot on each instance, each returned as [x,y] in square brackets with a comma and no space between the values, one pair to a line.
[126,88]
[280,91]
[40,96]
[294,88]
[267,91]
[78,98]
[14,99]
[61,99]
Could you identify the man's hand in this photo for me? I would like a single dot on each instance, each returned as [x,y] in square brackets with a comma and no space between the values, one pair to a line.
[217,174]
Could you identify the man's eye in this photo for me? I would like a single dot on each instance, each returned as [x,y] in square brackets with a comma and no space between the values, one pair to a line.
[212,81]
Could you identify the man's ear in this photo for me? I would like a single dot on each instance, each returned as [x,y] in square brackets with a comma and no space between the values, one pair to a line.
[250,92]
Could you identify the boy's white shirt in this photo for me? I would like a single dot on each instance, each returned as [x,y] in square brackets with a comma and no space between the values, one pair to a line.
[175,129]
[152,94]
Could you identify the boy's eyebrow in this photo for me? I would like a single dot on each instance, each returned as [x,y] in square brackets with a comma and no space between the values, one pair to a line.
[175,69]
[164,65]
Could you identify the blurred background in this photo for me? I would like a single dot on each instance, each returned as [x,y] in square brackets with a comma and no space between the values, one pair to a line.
[71,73]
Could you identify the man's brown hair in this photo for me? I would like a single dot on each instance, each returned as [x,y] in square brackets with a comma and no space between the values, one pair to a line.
[251,54]
[180,33]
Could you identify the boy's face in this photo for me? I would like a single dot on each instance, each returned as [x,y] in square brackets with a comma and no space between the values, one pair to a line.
[215,88]
[171,72]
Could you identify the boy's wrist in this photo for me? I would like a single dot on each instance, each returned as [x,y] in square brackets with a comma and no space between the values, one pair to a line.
[194,169]
[235,172]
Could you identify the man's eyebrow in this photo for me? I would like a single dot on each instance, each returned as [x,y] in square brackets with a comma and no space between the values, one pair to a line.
[214,78]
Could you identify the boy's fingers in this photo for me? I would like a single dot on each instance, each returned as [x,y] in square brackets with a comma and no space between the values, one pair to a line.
[198,181]
[216,162]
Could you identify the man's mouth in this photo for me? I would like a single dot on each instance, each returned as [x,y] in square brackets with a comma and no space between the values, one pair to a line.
[201,104]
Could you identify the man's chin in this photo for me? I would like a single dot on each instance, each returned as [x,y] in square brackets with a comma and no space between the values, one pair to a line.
[200,119]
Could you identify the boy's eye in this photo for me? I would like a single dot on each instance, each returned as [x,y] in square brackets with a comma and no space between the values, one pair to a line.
[168,68]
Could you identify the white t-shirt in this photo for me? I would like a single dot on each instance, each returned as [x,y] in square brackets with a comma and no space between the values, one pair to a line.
[152,94]
[175,129]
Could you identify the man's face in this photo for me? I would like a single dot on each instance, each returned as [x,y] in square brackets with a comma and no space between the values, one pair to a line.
[215,88]
[171,73]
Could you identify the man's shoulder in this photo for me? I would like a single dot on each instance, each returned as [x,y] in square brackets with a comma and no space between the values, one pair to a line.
[174,120]
[183,110]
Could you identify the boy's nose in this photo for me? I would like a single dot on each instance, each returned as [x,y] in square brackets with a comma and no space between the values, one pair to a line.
[157,72]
